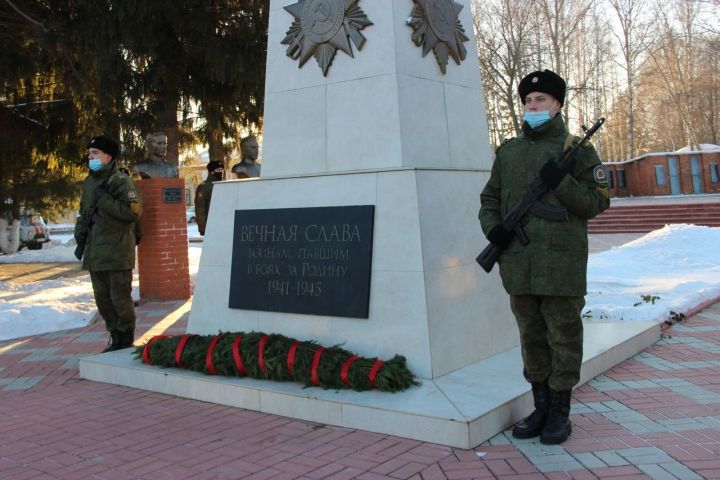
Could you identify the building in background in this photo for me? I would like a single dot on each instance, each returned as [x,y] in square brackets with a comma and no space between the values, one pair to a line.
[683,172]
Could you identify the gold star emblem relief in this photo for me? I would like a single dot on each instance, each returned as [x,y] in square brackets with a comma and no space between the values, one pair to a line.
[321,28]
[437,27]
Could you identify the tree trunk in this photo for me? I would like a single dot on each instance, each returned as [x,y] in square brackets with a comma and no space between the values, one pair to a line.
[10,241]
[630,153]
[216,149]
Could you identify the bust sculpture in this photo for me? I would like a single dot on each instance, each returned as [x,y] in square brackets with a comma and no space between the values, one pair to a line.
[248,166]
[155,166]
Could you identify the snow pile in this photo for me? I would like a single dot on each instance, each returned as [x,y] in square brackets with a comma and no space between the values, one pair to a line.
[680,264]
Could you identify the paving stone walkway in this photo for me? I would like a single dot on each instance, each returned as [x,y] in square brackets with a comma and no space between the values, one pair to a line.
[654,416]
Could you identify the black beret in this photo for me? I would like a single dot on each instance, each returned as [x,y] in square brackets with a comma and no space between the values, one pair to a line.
[213,165]
[106,144]
[544,81]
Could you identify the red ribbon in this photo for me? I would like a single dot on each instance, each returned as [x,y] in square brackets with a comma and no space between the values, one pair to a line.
[208,358]
[261,351]
[236,355]
[315,363]
[179,350]
[291,358]
[374,371]
[346,369]
[146,350]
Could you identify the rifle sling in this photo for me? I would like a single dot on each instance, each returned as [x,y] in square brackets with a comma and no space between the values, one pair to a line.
[548,212]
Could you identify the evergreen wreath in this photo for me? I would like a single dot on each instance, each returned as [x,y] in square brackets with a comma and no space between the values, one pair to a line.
[276,357]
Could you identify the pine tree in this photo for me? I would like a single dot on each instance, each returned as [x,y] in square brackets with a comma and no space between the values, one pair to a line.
[74,69]
[209,53]
[37,122]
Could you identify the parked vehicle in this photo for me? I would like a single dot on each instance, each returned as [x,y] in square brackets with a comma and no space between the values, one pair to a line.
[33,232]
[190,214]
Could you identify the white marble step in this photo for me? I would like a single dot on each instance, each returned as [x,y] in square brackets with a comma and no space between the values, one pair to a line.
[461,409]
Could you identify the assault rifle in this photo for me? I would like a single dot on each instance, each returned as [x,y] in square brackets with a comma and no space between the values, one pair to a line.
[84,232]
[530,203]
[87,222]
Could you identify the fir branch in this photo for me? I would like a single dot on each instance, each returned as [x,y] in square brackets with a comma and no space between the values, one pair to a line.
[392,376]
[27,17]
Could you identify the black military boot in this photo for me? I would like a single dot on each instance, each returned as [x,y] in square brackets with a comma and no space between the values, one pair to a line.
[113,341]
[533,425]
[126,339]
[558,427]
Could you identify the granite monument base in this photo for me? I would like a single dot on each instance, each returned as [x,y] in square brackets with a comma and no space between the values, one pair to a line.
[428,299]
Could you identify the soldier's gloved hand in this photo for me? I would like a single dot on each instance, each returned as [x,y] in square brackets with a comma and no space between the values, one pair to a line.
[499,236]
[99,192]
[551,174]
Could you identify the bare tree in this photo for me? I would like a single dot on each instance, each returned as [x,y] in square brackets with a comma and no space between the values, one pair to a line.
[675,60]
[562,19]
[611,53]
[503,30]
[711,88]
[589,51]
[575,44]
[709,20]
[633,38]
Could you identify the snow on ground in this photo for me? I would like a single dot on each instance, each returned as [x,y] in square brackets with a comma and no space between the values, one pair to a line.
[45,306]
[51,305]
[679,264]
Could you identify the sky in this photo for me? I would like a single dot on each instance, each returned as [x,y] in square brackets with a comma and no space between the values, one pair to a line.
[678,264]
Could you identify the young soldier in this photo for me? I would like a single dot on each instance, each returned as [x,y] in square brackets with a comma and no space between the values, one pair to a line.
[546,279]
[109,210]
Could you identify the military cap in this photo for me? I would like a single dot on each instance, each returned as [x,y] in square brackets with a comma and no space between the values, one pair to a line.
[214,165]
[106,144]
[544,81]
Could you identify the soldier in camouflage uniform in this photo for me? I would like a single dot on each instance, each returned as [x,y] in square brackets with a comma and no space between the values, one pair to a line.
[109,210]
[203,194]
[546,279]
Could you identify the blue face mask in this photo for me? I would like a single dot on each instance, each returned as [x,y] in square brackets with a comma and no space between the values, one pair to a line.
[95,164]
[535,119]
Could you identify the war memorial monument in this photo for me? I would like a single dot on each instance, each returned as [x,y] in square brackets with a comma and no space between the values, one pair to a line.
[363,230]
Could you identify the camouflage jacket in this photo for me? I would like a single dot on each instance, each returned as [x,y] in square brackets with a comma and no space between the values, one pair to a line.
[111,240]
[555,260]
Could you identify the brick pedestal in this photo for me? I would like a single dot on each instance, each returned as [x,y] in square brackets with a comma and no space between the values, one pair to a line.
[163,252]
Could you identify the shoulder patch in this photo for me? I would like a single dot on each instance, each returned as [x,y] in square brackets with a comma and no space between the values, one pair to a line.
[599,174]
[132,196]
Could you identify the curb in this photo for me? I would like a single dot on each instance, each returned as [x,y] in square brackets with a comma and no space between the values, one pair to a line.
[702,306]
[667,324]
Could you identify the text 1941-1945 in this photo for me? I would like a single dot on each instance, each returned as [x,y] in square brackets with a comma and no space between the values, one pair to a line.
[314,260]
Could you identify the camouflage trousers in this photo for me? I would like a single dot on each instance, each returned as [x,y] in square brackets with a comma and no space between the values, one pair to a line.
[113,297]
[551,338]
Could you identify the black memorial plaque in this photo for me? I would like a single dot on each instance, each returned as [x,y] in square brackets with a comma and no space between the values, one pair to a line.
[172,195]
[303,260]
